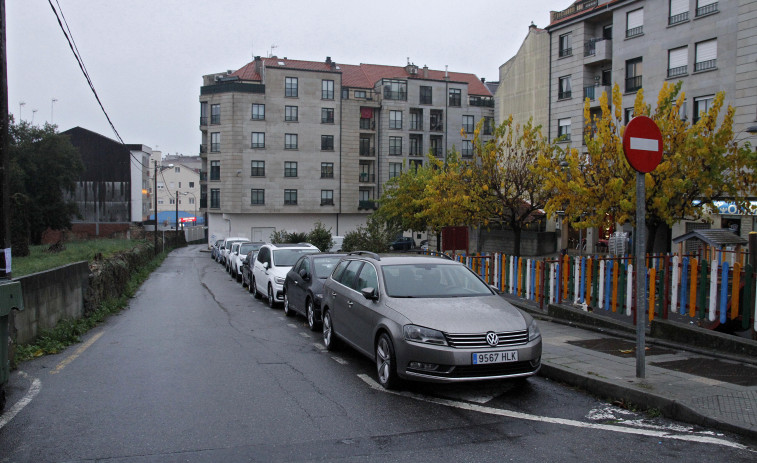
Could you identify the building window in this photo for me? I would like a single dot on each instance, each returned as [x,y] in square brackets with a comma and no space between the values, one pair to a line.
[395,169]
[679,11]
[426,95]
[705,7]
[395,119]
[191,184]
[678,61]
[290,169]
[215,198]
[607,77]
[327,170]
[327,115]
[395,146]
[327,143]
[160,202]
[628,115]
[290,87]
[171,201]
[258,140]
[563,129]
[360,94]
[215,142]
[635,23]
[455,97]
[468,124]
[290,197]
[327,89]
[706,55]
[564,90]
[416,145]
[436,120]
[258,112]
[257,168]
[633,74]
[436,145]
[702,105]
[488,125]
[257,196]
[215,170]
[203,113]
[565,45]
[290,113]
[327,197]
[290,141]
[416,119]
[395,89]
[415,164]
[467,150]
[177,170]
[215,114]
[365,146]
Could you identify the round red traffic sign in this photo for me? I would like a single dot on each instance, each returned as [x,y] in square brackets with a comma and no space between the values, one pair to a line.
[642,144]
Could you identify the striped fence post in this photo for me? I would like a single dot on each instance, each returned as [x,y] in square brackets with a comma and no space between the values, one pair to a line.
[652,283]
[577,281]
[622,271]
[587,283]
[702,296]
[735,287]
[595,283]
[693,289]
[675,279]
[511,280]
[629,289]
[713,289]
[552,283]
[601,302]
[724,291]
[684,285]
[748,297]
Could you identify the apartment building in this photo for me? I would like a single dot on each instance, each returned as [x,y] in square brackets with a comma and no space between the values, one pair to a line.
[178,190]
[286,143]
[709,45]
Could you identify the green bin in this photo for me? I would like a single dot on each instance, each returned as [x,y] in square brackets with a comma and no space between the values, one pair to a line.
[10,298]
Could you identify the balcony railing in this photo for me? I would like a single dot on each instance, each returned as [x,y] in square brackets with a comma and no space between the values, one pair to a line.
[634,31]
[203,176]
[678,18]
[485,102]
[705,65]
[678,71]
[566,52]
[707,9]
[436,126]
[633,83]
[367,151]
[203,149]
[575,8]
[327,202]
[367,124]
[366,204]
[590,92]
[215,119]
[397,95]
[367,178]
[564,94]
[203,120]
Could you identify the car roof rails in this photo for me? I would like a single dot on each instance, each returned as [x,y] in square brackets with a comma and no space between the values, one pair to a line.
[425,253]
[370,254]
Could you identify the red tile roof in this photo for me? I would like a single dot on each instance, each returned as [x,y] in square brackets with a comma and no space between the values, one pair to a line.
[363,75]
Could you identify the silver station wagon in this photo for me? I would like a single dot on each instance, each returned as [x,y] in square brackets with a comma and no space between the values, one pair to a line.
[426,318]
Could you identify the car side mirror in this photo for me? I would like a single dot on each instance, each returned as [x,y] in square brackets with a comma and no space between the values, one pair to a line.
[304,274]
[369,293]
[267,265]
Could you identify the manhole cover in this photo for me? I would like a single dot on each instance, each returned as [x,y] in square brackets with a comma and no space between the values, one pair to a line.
[734,373]
[618,347]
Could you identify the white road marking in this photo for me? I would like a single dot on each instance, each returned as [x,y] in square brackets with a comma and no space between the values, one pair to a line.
[319,346]
[561,421]
[340,361]
[304,335]
[291,325]
[644,144]
[76,353]
[30,394]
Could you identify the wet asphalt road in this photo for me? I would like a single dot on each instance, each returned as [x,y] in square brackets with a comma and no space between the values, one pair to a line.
[196,369]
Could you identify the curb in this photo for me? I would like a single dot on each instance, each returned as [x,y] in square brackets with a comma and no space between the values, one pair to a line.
[670,408]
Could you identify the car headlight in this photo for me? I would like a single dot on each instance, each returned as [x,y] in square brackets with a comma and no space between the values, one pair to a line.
[533,331]
[426,335]
[279,280]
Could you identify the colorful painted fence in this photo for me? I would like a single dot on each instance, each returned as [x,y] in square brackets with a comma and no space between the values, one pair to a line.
[700,289]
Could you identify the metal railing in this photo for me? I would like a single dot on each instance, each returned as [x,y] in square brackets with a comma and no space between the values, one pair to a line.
[480,101]
[367,178]
[564,94]
[707,9]
[367,151]
[633,83]
[566,52]
[634,31]
[678,71]
[575,8]
[678,18]
[366,204]
[704,65]
[203,120]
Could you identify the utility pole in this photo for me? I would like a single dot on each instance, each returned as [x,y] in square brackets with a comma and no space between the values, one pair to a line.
[5,242]
[155,199]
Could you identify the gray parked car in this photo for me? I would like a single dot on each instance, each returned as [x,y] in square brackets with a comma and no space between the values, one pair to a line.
[427,318]
[303,287]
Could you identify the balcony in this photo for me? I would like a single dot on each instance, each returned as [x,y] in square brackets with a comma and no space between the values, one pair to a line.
[396,95]
[678,71]
[481,101]
[593,93]
[597,50]
[327,201]
[203,176]
[367,124]
[707,9]
[203,120]
[366,204]
[633,32]
[367,151]
[203,149]
[678,18]
[633,84]
[705,65]
[367,178]
[215,119]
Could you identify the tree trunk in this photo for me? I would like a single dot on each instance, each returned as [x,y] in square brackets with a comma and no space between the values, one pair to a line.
[516,243]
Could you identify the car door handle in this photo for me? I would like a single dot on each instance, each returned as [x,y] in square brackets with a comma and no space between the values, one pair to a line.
[333,294]
[349,303]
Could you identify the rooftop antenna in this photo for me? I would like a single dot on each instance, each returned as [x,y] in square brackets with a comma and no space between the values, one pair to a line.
[273,47]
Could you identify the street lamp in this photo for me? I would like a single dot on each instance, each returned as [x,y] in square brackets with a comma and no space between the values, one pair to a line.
[52,105]
[21,104]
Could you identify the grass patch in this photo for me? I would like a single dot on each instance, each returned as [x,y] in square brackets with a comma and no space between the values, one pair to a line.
[39,259]
[69,331]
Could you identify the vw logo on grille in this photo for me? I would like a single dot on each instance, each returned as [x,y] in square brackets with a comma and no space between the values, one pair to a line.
[492,338]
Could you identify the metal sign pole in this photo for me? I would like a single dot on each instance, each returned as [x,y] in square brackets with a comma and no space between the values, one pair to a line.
[641,272]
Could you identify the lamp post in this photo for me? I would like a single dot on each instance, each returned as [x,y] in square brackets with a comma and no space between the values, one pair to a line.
[52,106]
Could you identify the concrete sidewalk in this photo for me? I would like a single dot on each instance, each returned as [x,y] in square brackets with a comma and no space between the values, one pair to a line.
[705,389]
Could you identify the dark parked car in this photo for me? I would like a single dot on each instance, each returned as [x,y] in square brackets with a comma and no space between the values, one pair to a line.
[303,287]
[403,243]
[427,319]
[215,249]
[246,271]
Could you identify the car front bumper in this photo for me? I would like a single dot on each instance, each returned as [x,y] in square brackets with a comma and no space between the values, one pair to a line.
[444,364]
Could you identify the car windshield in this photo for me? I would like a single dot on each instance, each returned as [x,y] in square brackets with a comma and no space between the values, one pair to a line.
[324,266]
[432,280]
[287,257]
[247,247]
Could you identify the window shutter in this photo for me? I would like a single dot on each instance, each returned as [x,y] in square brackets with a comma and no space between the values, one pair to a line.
[701,3]
[678,7]
[707,51]
[678,57]
[635,19]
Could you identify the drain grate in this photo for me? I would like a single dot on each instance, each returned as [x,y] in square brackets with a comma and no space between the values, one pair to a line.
[720,370]
[618,347]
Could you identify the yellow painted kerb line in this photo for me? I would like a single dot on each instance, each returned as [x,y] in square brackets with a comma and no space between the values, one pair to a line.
[76,354]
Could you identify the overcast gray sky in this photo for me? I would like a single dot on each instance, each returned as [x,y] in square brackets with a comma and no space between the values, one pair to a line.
[146,58]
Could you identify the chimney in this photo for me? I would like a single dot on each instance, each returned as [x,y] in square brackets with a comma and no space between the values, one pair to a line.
[532,26]
[425,71]
[328,60]
[483,80]
[258,61]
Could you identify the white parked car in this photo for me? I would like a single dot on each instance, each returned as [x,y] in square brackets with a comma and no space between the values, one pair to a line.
[238,254]
[226,248]
[271,267]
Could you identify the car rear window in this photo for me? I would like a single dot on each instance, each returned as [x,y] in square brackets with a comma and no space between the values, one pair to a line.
[288,257]
[324,266]
[432,280]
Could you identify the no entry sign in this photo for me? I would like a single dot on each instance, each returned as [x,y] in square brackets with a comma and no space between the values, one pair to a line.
[642,144]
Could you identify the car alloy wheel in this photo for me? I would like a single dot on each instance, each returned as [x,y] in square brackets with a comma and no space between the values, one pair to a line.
[254,289]
[386,363]
[271,300]
[310,313]
[329,339]
[287,310]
